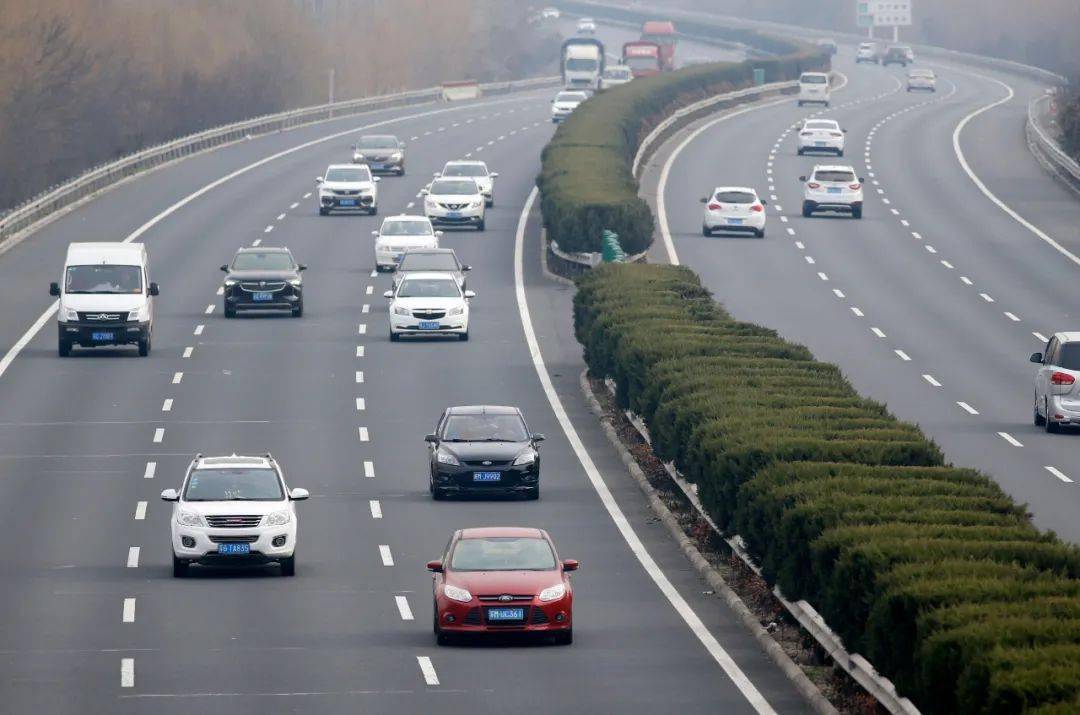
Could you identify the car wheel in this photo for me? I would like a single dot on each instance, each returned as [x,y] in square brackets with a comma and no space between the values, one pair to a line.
[760,233]
[323,212]
[1051,426]
[288,566]
[230,311]
[394,337]
[144,347]
[565,637]
[63,348]
[856,211]
[533,494]
[482,225]
[438,494]
[807,209]
[705,231]
[179,567]
[374,211]
[800,152]
[298,311]
[1039,420]
[441,638]
[464,337]
[401,171]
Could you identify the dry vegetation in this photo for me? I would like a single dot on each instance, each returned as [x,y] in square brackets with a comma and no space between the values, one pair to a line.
[85,81]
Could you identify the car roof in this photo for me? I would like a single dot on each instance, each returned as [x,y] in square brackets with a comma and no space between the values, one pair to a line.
[105,252]
[833,167]
[407,217]
[502,531]
[483,409]
[1068,337]
[263,249]
[376,136]
[747,189]
[234,461]
[347,166]
[428,275]
[464,162]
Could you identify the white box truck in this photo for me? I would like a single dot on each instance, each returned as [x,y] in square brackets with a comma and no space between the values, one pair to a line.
[582,63]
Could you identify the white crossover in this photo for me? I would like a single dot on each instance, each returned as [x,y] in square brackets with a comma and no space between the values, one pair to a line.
[921,79]
[348,187]
[565,103]
[821,135]
[399,234]
[475,170]
[586,26]
[832,188]
[737,209]
[1057,397]
[814,88]
[234,511]
[429,303]
[868,52]
[455,202]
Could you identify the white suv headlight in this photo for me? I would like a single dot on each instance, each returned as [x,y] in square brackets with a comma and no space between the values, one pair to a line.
[278,518]
[447,458]
[189,518]
[396,156]
[456,594]
[526,457]
[553,593]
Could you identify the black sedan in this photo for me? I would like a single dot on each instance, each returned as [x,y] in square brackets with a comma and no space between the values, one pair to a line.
[261,279]
[484,450]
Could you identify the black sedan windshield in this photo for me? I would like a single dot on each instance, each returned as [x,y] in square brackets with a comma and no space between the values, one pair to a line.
[234,485]
[485,428]
[502,554]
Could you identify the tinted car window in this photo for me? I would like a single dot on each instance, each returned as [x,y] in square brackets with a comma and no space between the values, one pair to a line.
[263,262]
[406,228]
[735,197]
[1068,356]
[813,79]
[359,173]
[428,262]
[502,554]
[485,428]
[428,288]
[234,485]
[842,176]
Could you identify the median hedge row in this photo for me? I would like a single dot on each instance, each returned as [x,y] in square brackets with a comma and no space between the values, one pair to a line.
[930,570]
[586,182]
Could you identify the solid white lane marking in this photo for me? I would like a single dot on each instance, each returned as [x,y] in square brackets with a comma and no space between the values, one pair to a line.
[376,509]
[966,280]
[129,610]
[177,377]
[365,308]
[159,434]
[810,260]
[150,471]
[362,329]
[403,608]
[930,249]
[931,380]
[1011,317]
[140,511]
[360,353]
[1058,473]
[985,297]
[361,405]
[268,229]
[188,351]
[428,670]
[199,329]
[387,557]
[1040,337]
[1010,439]
[947,264]
[364,437]
[651,568]
[902,355]
[359,376]
[280,216]
[968,408]
[823,276]
[858,313]
[210,309]
[127,672]
[369,290]
[878,332]
[133,557]
[369,469]
[166,406]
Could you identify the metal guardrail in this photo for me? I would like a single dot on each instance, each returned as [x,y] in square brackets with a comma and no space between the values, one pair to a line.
[40,208]
[1047,148]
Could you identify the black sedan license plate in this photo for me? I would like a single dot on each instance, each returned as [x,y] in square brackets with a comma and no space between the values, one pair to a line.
[506,614]
[487,476]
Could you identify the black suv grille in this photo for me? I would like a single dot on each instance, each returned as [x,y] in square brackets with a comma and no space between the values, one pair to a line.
[262,286]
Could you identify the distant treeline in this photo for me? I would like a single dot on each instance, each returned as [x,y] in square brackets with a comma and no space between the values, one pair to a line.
[86,81]
[1070,120]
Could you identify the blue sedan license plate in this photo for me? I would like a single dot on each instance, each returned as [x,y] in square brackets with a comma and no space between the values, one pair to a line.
[234,549]
[835,190]
[262,297]
[506,614]
[487,476]
[102,336]
[429,325]
[347,202]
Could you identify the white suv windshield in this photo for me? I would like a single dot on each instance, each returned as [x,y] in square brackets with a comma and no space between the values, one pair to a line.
[252,484]
[465,170]
[103,279]
[454,188]
[428,288]
[502,554]
[349,174]
[406,228]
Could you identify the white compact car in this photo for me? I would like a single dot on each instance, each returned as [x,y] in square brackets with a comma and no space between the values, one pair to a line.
[868,52]
[832,188]
[348,187]
[565,103]
[429,303]
[814,88]
[455,202]
[1057,399]
[399,234]
[734,208]
[615,75]
[821,135]
[475,170]
[234,511]
[921,79]
[586,26]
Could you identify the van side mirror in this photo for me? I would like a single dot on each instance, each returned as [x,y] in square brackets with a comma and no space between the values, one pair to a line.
[538,437]
[388,294]
[435,566]
[302,267]
[494,175]
[438,234]
[154,290]
[466,268]
[54,289]
[470,294]
[1037,357]
[170,495]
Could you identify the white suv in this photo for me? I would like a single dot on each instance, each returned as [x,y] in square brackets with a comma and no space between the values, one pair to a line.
[868,52]
[234,511]
[455,202]
[400,233]
[1057,399]
[348,187]
[734,208]
[429,303]
[821,135]
[832,188]
[814,88]
[475,170]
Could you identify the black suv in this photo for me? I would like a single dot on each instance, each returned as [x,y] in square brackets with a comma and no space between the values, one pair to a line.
[261,279]
[896,55]
[484,450]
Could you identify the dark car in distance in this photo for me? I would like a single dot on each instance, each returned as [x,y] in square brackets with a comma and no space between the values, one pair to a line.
[483,450]
[427,260]
[263,278]
[381,152]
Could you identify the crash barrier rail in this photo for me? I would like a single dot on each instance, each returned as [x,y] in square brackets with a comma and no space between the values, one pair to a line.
[46,205]
[1046,147]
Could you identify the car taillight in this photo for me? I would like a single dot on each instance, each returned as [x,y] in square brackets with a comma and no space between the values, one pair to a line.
[757,207]
[806,134]
[715,207]
[836,134]
[1062,378]
[814,185]
[855,187]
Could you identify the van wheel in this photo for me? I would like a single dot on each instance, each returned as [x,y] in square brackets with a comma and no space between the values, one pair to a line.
[179,567]
[63,348]
[144,347]
[1040,421]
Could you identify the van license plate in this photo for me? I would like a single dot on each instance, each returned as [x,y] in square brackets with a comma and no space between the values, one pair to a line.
[102,337]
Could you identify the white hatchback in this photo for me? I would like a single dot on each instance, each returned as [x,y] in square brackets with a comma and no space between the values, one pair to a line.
[814,88]
[234,511]
[399,234]
[429,303]
[475,170]
[736,209]
[1057,392]
[821,135]
[832,188]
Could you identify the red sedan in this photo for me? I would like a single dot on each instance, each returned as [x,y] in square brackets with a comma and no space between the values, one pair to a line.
[502,580]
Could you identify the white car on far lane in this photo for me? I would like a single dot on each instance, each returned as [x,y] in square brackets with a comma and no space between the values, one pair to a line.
[821,135]
[832,188]
[348,187]
[586,26]
[399,234]
[1057,383]
[565,103]
[736,209]
[429,303]
[615,75]
[475,170]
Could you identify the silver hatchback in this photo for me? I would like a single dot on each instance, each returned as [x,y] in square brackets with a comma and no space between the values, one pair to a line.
[1057,397]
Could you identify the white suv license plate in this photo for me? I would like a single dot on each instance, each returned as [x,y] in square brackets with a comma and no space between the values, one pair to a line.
[234,549]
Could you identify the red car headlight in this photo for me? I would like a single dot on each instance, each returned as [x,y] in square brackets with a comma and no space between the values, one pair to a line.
[553,593]
[456,594]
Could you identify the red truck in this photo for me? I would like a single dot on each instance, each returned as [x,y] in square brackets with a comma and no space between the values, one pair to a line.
[662,32]
[643,58]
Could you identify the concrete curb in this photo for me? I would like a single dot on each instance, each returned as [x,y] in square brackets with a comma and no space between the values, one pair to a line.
[792,672]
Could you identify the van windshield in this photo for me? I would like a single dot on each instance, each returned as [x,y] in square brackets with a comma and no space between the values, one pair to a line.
[581,64]
[813,79]
[103,279]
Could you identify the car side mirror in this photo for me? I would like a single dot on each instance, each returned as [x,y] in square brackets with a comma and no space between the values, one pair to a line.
[494,175]
[431,438]
[862,180]
[764,202]
[438,234]
[377,179]
[466,268]
[302,267]
[154,290]
[374,233]
[170,495]
[570,565]
[802,178]
[401,145]
[318,179]
[437,174]
[470,294]
[224,268]
[704,200]
[299,494]
[844,131]
[425,192]
[54,289]
[388,294]
[435,566]
[1037,357]
[538,437]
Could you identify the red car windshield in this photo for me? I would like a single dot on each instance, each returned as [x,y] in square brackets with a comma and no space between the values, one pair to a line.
[502,554]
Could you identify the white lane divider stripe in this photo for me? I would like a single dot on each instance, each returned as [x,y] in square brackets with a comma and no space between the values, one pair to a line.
[129,610]
[365,308]
[359,377]
[187,351]
[810,260]
[986,297]
[177,377]
[159,434]
[369,469]
[1058,473]
[150,471]
[799,245]
[902,355]
[220,290]
[1012,317]
[385,555]
[369,290]
[280,217]
[858,313]
[966,280]
[1010,439]
[403,608]
[268,229]
[294,204]
[878,332]
[823,276]
[210,309]
[838,293]
[362,329]
[127,672]
[968,408]
[376,509]
[916,235]
[364,434]
[361,405]
[428,670]
[360,353]
[140,511]
[166,406]
[199,329]
[947,264]
[930,249]
[931,380]
[791,231]
[133,557]
[307,195]
[1040,337]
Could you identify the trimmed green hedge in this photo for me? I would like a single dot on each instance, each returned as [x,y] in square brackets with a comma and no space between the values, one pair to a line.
[930,570]
[586,184]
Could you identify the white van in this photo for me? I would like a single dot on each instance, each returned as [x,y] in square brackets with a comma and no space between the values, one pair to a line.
[106,297]
[814,88]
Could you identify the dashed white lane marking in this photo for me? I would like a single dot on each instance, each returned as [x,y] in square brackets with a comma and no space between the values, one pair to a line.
[410,204]
[966,280]
[360,353]
[199,329]
[220,290]
[376,509]
[1010,439]
[1058,473]
[930,249]
[307,195]
[129,610]
[823,276]
[810,260]
[878,332]
[895,212]
[359,376]
[1040,337]
[1012,317]
[858,313]
[772,197]
[902,355]
[210,309]
[280,216]
[799,245]
[947,264]
[375,273]
[468,154]
[294,204]
[968,408]
[427,669]
[255,243]
[365,308]
[268,229]
[387,557]
[150,471]
[361,404]
[369,290]
[364,436]
[369,469]
[931,380]
[140,511]
[479,148]
[904,222]
[177,377]
[791,231]
[159,434]
[188,351]
[166,406]
[986,297]
[783,219]
[133,557]
[362,329]
[127,672]
[838,293]
[403,608]
[412,139]
[916,235]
